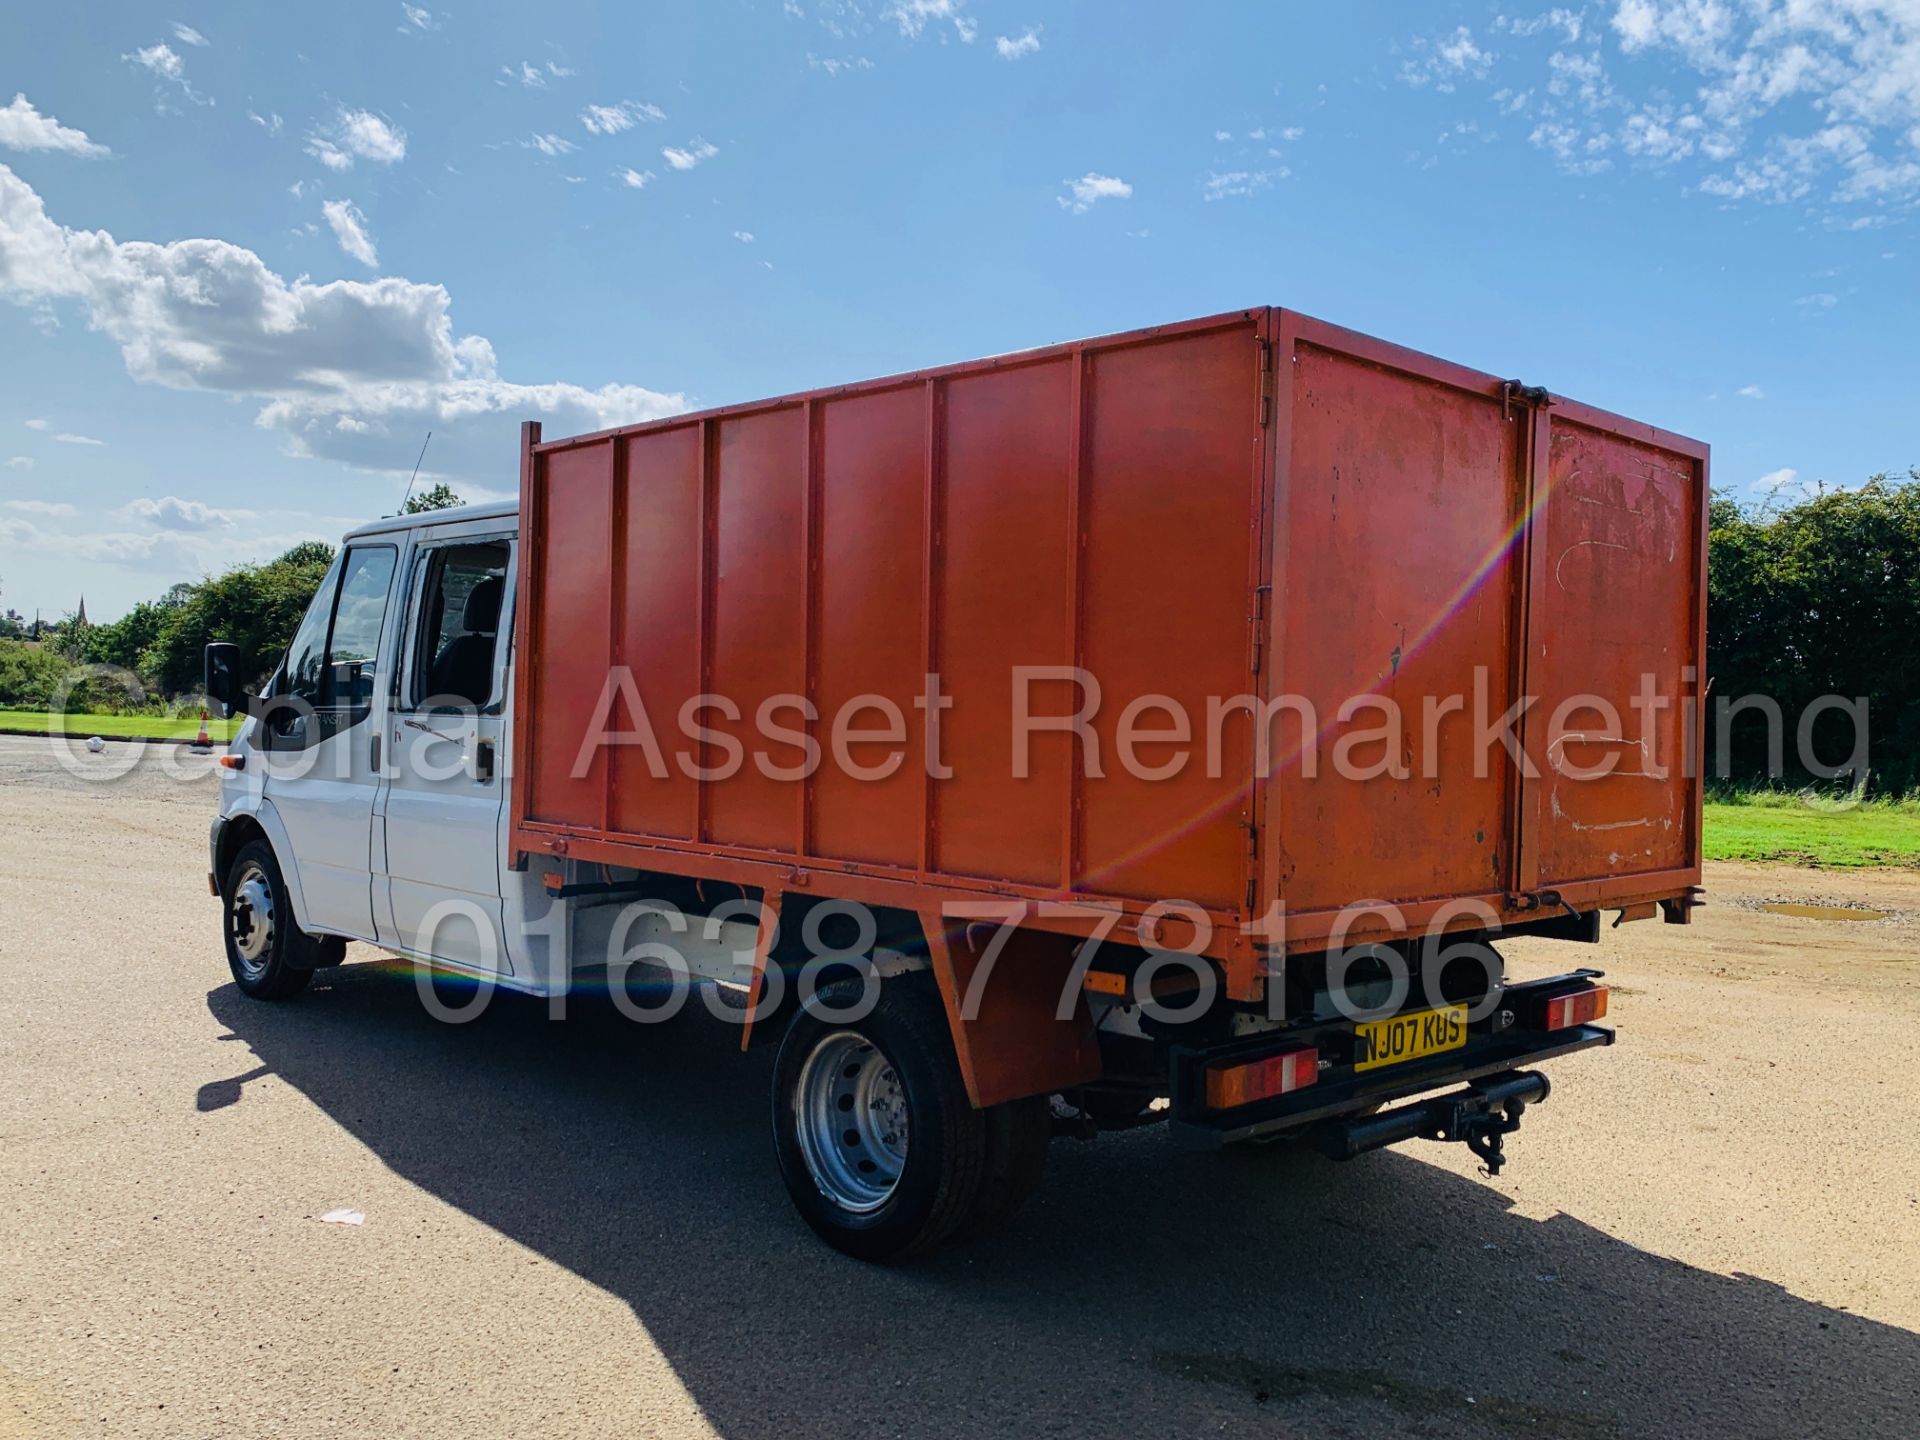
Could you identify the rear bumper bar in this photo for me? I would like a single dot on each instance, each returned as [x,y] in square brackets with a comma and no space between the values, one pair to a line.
[1488,1055]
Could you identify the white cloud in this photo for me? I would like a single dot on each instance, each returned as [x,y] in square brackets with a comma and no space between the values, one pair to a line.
[20,462]
[38,424]
[187,35]
[1777,479]
[1027,44]
[67,437]
[357,134]
[417,18]
[352,370]
[1821,301]
[634,179]
[1090,189]
[40,507]
[24,128]
[838,67]
[533,76]
[745,237]
[269,123]
[1774,101]
[1570,24]
[161,60]
[1578,151]
[1444,62]
[170,512]
[913,17]
[696,151]
[612,119]
[167,68]
[1751,392]
[1222,186]
[550,145]
[350,229]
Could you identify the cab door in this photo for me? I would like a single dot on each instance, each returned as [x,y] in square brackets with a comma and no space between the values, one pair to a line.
[319,735]
[441,807]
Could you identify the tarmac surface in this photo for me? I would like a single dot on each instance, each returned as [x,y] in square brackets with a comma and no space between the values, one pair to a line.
[575,1228]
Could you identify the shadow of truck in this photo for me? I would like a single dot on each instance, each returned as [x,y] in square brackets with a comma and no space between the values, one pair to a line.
[1146,1291]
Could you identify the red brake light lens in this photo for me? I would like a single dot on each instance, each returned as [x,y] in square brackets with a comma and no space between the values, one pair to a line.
[1230,1085]
[1582,1007]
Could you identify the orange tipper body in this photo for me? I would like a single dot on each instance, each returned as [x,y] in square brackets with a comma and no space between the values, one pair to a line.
[1229,512]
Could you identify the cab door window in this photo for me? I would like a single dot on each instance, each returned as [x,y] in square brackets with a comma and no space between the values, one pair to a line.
[462,594]
[332,664]
[305,671]
[353,652]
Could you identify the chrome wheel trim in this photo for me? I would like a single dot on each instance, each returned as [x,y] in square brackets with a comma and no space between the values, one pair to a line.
[250,920]
[850,1112]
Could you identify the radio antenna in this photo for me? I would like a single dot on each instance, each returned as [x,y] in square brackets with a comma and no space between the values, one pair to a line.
[416,472]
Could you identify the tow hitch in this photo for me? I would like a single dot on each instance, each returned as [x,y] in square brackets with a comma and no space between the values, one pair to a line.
[1482,1115]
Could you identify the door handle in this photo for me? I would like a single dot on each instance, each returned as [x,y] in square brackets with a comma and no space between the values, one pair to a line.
[373,753]
[483,761]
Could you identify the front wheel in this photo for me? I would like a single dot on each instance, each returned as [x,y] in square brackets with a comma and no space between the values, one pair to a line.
[881,1152]
[269,956]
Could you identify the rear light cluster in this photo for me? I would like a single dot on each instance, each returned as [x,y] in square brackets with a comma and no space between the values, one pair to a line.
[1229,1085]
[1582,1007]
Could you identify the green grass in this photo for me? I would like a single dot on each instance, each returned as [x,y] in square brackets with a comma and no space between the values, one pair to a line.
[151,727]
[1800,829]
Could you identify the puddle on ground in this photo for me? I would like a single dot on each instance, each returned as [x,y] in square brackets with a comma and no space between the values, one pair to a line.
[1822,912]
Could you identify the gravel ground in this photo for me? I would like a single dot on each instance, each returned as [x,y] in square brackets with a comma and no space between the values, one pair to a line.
[576,1229]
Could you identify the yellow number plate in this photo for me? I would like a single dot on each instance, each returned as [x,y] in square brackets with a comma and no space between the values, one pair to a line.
[1408,1037]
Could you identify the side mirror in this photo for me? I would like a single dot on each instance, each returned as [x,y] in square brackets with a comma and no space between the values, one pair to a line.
[222,675]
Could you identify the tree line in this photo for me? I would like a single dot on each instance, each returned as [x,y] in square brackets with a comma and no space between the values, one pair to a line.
[153,654]
[1820,597]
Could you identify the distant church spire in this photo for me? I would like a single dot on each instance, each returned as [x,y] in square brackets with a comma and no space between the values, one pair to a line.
[83,609]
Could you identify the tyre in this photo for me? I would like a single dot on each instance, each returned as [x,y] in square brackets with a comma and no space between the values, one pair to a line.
[881,1151]
[1019,1134]
[269,956]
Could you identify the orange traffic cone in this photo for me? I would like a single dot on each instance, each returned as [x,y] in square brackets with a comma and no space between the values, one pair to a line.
[203,741]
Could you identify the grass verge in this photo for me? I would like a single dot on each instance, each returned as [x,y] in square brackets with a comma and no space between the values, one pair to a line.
[122,727]
[1796,829]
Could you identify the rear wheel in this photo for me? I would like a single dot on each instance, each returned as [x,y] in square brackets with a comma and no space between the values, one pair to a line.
[880,1149]
[269,956]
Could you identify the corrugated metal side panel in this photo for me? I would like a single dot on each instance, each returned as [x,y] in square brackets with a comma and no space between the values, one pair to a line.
[868,628]
[760,606]
[659,575]
[1169,491]
[1090,508]
[1618,529]
[1007,447]
[575,489]
[1398,512]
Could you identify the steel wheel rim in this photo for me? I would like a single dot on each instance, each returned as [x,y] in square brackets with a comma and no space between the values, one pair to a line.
[250,921]
[851,1114]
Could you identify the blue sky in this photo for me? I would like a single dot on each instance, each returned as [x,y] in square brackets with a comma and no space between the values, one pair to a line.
[252,253]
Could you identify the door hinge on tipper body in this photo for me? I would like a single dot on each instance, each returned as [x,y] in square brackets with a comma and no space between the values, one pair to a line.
[1257,655]
[1266,382]
[1515,392]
